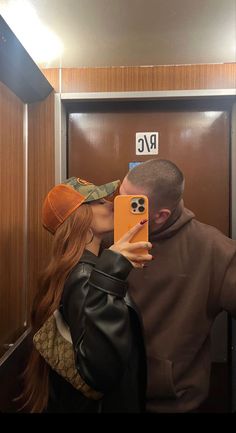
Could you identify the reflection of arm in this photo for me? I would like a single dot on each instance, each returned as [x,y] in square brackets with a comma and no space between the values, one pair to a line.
[100,326]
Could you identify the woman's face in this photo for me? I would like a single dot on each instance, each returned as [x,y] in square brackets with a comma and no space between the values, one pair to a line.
[103,217]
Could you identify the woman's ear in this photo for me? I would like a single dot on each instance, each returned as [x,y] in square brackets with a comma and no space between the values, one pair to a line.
[162,216]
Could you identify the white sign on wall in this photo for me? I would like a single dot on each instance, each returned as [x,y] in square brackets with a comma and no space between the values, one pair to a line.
[147,143]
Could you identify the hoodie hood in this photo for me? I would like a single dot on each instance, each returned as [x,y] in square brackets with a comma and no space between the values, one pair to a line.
[178,218]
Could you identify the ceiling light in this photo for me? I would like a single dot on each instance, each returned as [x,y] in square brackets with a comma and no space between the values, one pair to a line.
[42,44]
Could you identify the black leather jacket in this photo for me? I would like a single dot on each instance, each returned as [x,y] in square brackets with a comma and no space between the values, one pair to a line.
[107,336]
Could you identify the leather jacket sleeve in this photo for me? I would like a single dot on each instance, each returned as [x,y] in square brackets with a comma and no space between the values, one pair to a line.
[98,317]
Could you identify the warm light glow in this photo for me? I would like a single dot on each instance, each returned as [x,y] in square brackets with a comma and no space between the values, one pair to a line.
[41,43]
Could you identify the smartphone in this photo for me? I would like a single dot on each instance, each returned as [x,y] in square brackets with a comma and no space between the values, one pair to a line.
[128,211]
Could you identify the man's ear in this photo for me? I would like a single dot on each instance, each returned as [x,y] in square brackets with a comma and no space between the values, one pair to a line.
[162,216]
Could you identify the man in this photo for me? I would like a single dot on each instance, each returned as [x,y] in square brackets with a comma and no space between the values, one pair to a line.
[191,280]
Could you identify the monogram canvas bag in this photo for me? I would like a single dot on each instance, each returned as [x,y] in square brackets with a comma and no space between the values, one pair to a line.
[53,342]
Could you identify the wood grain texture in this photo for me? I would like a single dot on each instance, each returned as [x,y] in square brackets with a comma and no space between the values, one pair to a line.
[147,78]
[41,177]
[12,290]
[52,75]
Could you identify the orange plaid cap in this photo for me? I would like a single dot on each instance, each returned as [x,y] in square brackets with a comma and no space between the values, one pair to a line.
[65,198]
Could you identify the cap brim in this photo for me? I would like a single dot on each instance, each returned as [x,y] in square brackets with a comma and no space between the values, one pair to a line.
[103,191]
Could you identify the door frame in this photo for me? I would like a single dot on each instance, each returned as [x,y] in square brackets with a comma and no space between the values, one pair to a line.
[61,127]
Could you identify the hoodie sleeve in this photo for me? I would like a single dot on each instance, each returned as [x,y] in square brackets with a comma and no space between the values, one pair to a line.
[228,289]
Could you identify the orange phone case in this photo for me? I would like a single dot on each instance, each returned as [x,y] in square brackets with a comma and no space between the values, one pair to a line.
[126,216]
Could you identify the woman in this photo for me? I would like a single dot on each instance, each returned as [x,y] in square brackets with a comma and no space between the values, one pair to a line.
[91,295]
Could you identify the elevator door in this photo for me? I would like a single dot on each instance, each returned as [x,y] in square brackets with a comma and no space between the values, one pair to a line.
[193,134]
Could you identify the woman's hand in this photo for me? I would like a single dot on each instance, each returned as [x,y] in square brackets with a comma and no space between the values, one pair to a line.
[131,250]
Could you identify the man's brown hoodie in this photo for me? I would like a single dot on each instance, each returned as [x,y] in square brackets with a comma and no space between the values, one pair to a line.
[191,279]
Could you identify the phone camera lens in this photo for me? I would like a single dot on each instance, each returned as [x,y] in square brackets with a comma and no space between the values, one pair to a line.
[134,205]
[141,201]
[141,208]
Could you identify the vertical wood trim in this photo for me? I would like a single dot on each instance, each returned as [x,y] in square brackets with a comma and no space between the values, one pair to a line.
[25,226]
[41,177]
[60,140]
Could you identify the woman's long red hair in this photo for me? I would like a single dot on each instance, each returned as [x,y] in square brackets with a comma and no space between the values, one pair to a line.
[68,245]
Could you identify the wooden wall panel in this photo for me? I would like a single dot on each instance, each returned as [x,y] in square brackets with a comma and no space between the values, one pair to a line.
[41,177]
[18,277]
[147,78]
[52,75]
[12,290]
